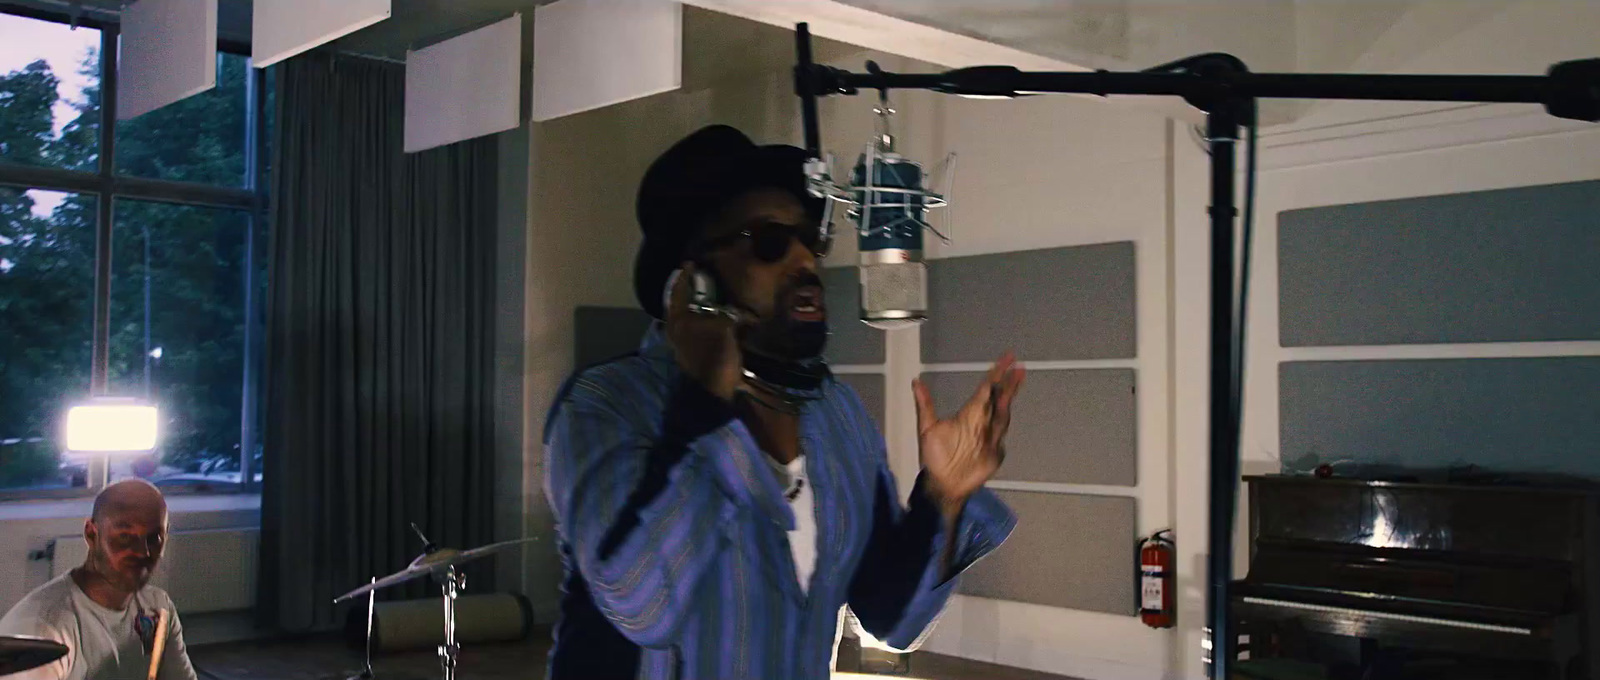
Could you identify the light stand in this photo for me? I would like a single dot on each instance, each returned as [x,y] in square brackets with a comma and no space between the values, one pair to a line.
[1226,91]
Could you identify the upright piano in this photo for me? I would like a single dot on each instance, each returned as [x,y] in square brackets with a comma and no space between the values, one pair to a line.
[1499,578]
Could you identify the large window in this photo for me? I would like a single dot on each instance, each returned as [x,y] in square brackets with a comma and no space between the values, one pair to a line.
[131,264]
[49,94]
[47,265]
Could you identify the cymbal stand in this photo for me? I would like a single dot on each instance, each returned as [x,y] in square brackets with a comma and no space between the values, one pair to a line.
[366,671]
[454,582]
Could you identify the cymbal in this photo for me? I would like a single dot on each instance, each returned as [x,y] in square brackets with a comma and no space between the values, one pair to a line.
[430,563]
[19,653]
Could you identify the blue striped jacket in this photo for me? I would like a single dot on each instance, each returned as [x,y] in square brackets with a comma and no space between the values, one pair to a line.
[672,533]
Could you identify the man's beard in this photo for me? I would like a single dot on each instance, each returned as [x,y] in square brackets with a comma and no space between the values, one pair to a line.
[107,570]
[782,337]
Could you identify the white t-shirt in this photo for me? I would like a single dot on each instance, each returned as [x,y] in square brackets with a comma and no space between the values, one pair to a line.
[103,644]
[803,538]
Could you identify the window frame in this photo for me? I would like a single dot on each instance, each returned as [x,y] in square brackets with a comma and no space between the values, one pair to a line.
[108,186]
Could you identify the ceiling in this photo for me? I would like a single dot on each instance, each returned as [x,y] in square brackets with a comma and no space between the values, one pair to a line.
[1269,35]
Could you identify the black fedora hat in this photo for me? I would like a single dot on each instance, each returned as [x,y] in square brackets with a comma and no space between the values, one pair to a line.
[689,182]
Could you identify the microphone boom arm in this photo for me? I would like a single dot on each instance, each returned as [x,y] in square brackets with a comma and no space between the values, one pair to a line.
[1569,90]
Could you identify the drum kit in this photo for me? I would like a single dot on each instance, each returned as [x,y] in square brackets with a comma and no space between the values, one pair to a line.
[440,563]
[22,653]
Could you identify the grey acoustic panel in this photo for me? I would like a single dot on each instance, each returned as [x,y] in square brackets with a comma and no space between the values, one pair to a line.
[1072,426]
[1519,415]
[1068,550]
[870,386]
[1051,304]
[600,333]
[1489,266]
[849,340]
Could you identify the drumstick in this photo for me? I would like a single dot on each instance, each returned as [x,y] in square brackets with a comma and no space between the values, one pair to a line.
[160,645]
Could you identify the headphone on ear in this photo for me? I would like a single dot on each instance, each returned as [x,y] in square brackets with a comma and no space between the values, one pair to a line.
[782,377]
[705,295]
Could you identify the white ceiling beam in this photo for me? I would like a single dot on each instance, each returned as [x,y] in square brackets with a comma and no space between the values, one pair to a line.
[835,20]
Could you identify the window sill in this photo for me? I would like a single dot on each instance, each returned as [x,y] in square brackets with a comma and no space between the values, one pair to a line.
[177,504]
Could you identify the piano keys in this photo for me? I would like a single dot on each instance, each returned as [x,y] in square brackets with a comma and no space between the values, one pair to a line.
[1493,571]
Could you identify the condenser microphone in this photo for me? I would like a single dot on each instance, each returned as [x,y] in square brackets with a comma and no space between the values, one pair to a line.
[888,203]
[888,214]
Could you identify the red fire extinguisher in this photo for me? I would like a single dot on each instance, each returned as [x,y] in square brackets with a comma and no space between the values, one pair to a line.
[1157,558]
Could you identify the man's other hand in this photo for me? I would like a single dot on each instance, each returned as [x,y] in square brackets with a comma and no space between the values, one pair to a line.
[962,452]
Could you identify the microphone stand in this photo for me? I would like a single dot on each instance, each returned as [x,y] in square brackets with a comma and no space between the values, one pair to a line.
[1222,87]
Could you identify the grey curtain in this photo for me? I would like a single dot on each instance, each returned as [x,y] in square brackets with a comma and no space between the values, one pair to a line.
[380,338]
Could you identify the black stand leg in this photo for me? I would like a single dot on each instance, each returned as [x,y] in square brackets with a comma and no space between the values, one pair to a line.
[1223,134]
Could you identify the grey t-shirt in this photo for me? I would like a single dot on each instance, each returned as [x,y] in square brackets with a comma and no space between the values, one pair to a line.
[103,644]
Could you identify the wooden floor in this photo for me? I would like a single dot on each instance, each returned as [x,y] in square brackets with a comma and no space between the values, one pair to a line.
[330,658]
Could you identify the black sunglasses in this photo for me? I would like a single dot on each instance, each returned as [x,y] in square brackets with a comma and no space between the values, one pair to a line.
[769,241]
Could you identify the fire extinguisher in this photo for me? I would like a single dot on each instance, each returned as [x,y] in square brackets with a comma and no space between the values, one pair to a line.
[1157,558]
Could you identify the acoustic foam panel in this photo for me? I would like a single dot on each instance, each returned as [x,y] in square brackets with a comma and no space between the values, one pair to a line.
[168,52]
[1070,427]
[870,387]
[1522,415]
[593,53]
[849,341]
[280,29]
[1507,265]
[1068,550]
[600,333]
[465,87]
[1050,304]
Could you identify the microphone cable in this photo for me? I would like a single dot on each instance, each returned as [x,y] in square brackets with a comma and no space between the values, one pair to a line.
[1246,235]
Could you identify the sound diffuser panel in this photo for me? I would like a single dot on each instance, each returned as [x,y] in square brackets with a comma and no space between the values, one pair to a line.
[600,333]
[1510,415]
[593,53]
[1509,265]
[465,87]
[1068,550]
[167,52]
[280,29]
[1051,304]
[870,387]
[1072,427]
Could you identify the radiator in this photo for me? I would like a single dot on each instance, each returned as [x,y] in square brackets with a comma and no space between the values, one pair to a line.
[212,570]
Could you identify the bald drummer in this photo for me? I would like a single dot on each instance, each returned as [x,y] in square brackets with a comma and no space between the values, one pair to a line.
[106,612]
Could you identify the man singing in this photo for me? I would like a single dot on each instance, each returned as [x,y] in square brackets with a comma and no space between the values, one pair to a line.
[719,497]
[105,611]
